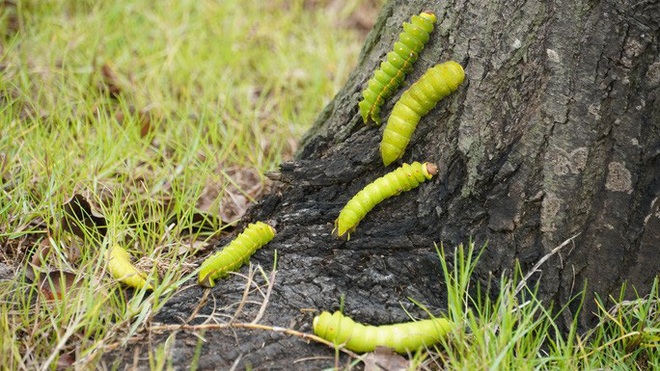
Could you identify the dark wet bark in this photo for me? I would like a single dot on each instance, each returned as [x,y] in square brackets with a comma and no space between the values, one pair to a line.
[555,132]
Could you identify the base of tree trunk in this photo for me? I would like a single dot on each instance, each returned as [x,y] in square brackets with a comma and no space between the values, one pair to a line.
[554,134]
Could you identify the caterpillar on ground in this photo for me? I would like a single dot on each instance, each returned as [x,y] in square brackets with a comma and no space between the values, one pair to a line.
[398,63]
[402,337]
[121,268]
[437,83]
[391,184]
[235,254]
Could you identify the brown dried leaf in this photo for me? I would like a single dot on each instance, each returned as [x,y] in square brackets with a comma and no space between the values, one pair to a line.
[385,359]
[235,206]
[79,217]
[56,284]
[39,262]
[190,246]
[41,254]
[66,360]
[145,118]
[12,20]
[245,184]
[364,18]
[39,258]
[110,81]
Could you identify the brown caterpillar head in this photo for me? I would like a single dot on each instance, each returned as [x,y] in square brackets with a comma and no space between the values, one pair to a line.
[342,232]
[430,169]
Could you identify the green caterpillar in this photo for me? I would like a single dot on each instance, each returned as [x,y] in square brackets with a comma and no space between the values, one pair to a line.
[236,253]
[402,337]
[437,83]
[391,184]
[121,268]
[399,62]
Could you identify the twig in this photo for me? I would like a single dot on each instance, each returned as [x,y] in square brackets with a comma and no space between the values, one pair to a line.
[264,304]
[236,362]
[251,326]
[523,281]
[246,292]
[538,264]
[199,306]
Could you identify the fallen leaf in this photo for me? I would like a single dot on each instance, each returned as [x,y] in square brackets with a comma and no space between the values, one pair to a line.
[12,21]
[384,358]
[56,284]
[242,185]
[41,254]
[37,263]
[110,81]
[66,360]
[81,220]
[145,118]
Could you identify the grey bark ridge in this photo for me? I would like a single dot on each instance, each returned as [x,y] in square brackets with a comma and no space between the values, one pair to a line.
[555,132]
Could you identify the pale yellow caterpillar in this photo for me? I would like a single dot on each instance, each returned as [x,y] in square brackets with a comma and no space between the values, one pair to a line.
[402,337]
[398,63]
[437,83]
[121,268]
[391,184]
[235,254]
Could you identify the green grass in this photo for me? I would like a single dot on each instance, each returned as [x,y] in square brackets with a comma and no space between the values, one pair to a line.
[159,115]
[518,332]
[155,115]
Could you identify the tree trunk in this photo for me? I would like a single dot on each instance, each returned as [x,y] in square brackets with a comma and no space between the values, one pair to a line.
[555,133]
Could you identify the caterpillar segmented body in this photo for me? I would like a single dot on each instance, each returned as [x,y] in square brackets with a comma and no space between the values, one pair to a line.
[437,83]
[399,62]
[391,184]
[235,254]
[121,268]
[402,337]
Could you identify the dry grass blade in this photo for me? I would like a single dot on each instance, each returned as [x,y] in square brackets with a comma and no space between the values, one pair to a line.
[246,293]
[541,261]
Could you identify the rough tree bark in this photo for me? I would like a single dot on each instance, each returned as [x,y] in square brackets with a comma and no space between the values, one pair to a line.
[554,133]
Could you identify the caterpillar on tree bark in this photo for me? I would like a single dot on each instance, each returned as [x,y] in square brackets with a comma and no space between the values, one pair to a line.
[402,337]
[391,184]
[437,83]
[235,254]
[399,62]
